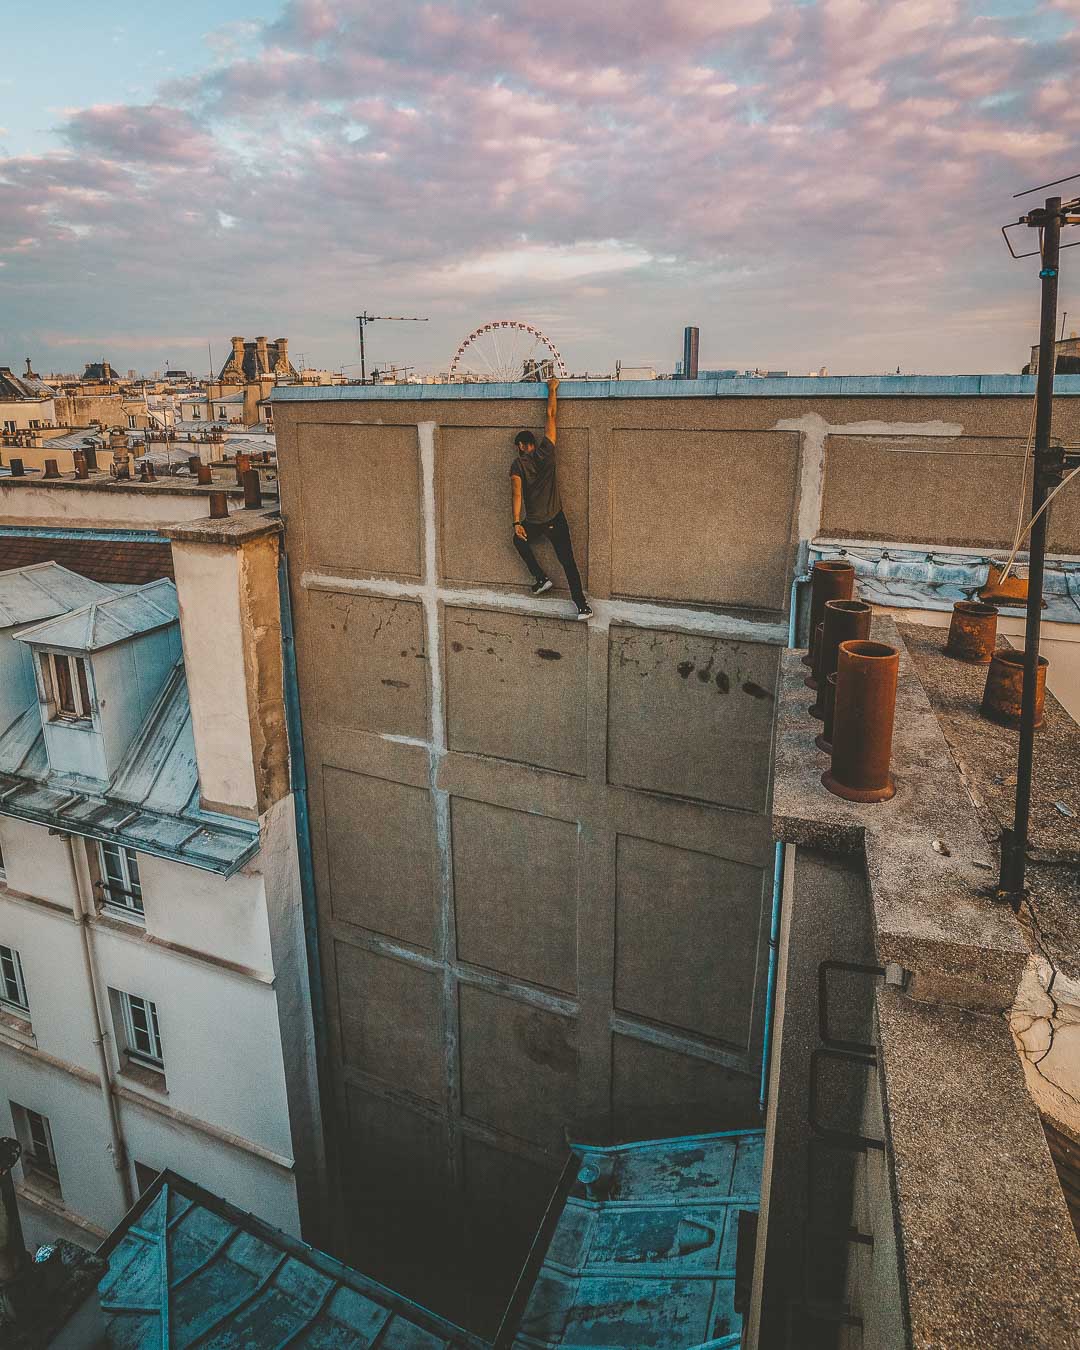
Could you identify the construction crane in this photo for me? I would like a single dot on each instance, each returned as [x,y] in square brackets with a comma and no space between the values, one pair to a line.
[364,319]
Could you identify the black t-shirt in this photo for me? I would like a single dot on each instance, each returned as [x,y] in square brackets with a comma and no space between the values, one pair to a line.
[539,483]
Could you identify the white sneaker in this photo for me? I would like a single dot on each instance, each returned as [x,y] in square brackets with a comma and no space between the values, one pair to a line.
[539,587]
[584,612]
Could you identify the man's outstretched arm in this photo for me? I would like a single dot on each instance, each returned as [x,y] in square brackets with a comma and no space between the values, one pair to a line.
[518,507]
[553,399]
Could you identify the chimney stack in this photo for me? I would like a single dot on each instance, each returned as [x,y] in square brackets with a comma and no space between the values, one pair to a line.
[237,353]
[252,490]
[219,506]
[51,469]
[281,365]
[262,366]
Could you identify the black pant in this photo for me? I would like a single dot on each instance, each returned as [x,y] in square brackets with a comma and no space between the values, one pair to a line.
[558,531]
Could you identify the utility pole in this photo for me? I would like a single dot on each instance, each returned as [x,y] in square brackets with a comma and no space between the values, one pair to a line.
[1048,472]
[364,319]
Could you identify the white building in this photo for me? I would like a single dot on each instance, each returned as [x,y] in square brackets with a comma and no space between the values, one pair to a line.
[154,999]
[26,402]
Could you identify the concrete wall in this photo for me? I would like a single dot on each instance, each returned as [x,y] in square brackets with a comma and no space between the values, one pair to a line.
[542,862]
[539,845]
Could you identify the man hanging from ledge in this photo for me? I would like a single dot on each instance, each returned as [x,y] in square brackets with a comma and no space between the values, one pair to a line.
[538,512]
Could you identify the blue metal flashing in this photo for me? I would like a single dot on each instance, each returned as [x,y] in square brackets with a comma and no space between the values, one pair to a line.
[188,1269]
[794,386]
[908,577]
[104,536]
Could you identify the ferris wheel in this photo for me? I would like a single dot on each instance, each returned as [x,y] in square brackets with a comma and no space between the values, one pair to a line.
[506,351]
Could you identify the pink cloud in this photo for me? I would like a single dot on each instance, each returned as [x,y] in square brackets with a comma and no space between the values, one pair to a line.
[379,143]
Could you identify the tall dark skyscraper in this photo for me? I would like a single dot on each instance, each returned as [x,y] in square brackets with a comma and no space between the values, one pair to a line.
[690,354]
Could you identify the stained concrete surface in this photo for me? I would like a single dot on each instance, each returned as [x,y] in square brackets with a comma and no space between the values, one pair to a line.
[933,907]
[989,1251]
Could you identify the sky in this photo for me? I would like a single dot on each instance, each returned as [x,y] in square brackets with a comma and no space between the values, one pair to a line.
[811,182]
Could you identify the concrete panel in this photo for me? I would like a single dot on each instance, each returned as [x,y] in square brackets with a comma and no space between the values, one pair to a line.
[518,1067]
[657,1091]
[703,516]
[516,687]
[387,1010]
[515,892]
[360,489]
[383,873]
[691,716]
[474,474]
[947,490]
[372,669]
[687,936]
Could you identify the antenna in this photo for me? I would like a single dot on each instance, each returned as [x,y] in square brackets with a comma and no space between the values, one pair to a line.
[364,319]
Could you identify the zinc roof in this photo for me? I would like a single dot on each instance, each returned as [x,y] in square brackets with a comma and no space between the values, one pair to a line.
[644,1250]
[43,590]
[152,804]
[106,621]
[186,1268]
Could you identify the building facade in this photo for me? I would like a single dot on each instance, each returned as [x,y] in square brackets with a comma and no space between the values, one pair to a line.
[154,1008]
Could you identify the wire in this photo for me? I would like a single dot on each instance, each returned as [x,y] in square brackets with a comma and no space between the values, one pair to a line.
[1031,523]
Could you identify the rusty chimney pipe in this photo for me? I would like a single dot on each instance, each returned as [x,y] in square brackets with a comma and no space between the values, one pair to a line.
[203,474]
[842,621]
[1004,691]
[79,460]
[241,463]
[972,632]
[219,506]
[252,490]
[823,740]
[830,579]
[51,470]
[90,455]
[193,463]
[13,1254]
[866,674]
[15,467]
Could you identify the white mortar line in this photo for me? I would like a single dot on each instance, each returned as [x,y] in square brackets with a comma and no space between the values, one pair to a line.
[633,613]
[445,945]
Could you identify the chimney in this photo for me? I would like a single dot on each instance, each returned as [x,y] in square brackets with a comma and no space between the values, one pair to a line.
[238,353]
[51,469]
[219,506]
[15,468]
[281,365]
[252,490]
[79,460]
[262,366]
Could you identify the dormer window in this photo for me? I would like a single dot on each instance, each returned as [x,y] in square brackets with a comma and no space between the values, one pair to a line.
[67,686]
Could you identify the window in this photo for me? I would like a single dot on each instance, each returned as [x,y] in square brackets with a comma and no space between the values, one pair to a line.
[66,685]
[9,426]
[121,889]
[132,419]
[196,415]
[142,1038]
[38,1155]
[12,985]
